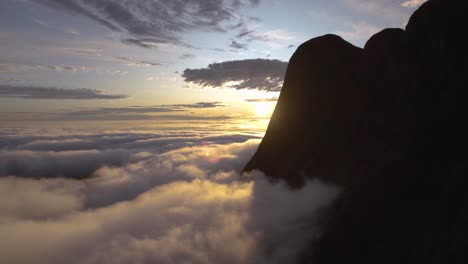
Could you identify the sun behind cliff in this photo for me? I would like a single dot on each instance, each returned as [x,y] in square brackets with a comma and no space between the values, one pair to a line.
[264,109]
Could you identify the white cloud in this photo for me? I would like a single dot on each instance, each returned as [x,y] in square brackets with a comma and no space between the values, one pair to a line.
[279,35]
[99,55]
[78,156]
[198,222]
[23,68]
[40,22]
[19,68]
[413,3]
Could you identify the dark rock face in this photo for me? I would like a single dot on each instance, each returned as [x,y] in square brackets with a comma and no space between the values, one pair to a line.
[389,123]
[313,122]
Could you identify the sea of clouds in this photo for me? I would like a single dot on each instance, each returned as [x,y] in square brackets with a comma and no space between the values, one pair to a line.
[147,196]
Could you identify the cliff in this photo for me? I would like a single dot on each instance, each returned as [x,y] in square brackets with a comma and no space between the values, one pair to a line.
[388,123]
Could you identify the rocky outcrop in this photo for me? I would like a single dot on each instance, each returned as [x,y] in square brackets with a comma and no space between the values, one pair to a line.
[313,123]
[389,123]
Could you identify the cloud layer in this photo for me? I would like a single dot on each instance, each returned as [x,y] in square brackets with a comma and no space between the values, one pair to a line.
[171,202]
[148,23]
[78,156]
[37,92]
[259,74]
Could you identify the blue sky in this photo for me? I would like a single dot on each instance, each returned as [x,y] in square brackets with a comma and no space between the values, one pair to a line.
[116,54]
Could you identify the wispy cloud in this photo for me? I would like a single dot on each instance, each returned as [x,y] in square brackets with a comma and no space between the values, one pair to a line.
[187,56]
[198,105]
[99,55]
[149,23]
[261,100]
[171,112]
[64,29]
[36,92]
[10,81]
[218,49]
[40,22]
[19,68]
[37,67]
[245,32]
[135,62]
[260,74]
[276,35]
[250,29]
[413,3]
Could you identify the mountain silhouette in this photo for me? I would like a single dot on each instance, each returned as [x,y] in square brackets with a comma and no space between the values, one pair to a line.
[388,123]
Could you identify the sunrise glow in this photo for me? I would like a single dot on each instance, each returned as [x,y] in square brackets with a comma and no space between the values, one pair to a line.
[264,109]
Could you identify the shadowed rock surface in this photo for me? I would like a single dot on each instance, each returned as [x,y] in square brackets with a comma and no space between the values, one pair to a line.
[389,123]
[306,132]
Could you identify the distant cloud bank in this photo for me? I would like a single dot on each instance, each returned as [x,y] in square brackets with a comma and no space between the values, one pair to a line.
[147,109]
[272,99]
[253,74]
[175,112]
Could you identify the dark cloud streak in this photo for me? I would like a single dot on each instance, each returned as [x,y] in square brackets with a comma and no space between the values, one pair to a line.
[236,45]
[17,68]
[37,92]
[187,56]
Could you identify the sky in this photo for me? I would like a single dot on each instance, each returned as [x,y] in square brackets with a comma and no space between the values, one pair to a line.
[137,60]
